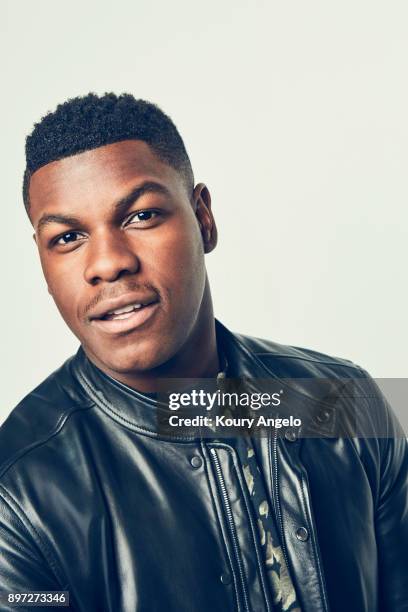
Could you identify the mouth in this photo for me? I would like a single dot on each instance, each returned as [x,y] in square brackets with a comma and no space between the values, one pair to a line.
[122,315]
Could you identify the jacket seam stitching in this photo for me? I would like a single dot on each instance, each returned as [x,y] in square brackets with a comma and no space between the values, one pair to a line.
[352,366]
[314,549]
[254,356]
[384,444]
[58,428]
[100,401]
[18,511]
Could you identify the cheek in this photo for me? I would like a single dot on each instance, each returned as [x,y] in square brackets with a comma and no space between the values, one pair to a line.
[177,258]
[63,285]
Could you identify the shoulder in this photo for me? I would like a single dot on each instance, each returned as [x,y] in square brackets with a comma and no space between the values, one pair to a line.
[40,416]
[287,360]
[373,416]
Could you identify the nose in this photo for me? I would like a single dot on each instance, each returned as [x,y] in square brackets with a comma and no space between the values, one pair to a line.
[109,258]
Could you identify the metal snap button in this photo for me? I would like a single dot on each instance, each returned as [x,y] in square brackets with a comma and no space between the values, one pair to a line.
[323,416]
[225,578]
[196,462]
[291,435]
[302,534]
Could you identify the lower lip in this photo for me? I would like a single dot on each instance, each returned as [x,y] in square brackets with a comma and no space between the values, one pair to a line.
[134,321]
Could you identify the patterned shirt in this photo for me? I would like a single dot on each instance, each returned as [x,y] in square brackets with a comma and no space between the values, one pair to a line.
[280,582]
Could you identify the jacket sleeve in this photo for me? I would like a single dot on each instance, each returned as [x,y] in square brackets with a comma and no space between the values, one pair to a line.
[392,515]
[23,567]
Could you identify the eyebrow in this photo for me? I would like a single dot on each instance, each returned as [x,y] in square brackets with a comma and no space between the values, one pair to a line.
[119,207]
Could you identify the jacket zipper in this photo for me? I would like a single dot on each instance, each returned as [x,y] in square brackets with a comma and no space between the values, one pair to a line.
[231,523]
[276,496]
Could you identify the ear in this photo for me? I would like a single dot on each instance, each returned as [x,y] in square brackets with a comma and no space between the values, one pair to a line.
[205,219]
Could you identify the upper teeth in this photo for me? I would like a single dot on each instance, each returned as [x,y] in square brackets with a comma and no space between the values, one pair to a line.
[128,308]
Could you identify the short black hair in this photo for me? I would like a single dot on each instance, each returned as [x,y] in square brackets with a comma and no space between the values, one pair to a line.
[91,121]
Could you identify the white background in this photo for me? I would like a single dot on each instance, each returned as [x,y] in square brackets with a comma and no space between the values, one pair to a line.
[295,115]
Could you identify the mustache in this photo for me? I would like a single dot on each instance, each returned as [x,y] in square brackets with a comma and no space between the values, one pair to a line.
[118,290]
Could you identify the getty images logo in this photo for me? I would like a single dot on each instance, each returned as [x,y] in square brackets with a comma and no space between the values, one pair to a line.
[206,400]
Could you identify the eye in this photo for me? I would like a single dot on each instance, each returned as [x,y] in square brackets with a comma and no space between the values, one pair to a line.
[68,238]
[142,216]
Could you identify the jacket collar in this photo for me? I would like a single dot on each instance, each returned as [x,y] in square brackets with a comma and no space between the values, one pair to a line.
[140,412]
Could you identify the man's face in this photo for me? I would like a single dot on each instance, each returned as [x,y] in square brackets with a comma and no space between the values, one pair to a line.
[122,245]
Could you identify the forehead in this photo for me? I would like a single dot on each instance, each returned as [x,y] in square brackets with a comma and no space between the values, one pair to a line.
[99,175]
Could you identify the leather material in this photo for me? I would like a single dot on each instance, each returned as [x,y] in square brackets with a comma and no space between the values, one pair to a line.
[93,501]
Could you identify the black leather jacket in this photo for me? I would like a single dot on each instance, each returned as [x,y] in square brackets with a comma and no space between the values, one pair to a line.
[92,501]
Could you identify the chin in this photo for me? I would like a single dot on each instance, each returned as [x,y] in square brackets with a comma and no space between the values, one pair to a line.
[134,359]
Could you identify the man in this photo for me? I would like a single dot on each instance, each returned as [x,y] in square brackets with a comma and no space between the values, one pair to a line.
[95,498]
